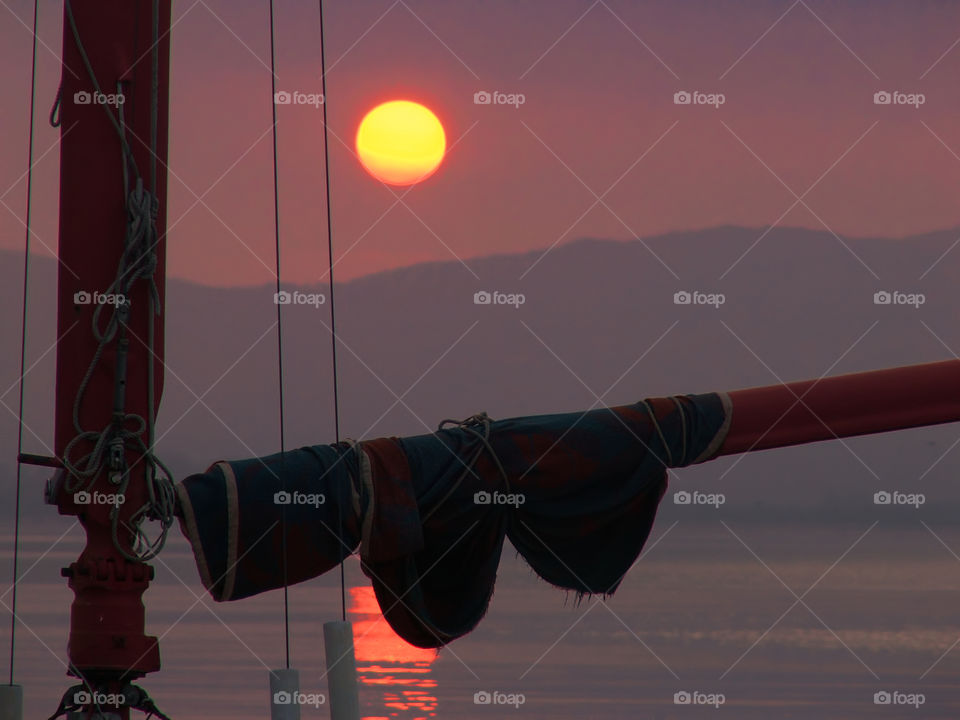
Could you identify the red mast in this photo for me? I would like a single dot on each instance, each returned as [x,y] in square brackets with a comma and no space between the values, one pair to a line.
[115,85]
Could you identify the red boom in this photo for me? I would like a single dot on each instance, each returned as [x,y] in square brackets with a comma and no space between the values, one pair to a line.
[843,405]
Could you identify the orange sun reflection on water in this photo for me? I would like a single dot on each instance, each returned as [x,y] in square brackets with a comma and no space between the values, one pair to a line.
[398,670]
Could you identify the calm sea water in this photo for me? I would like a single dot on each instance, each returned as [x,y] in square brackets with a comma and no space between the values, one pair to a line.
[749,621]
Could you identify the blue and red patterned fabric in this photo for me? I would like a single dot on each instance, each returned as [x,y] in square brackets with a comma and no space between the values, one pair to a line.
[575,493]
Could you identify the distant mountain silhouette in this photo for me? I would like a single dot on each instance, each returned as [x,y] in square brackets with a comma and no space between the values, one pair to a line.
[796,305]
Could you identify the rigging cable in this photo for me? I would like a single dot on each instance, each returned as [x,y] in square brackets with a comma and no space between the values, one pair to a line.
[276,222]
[336,397]
[23,347]
[333,316]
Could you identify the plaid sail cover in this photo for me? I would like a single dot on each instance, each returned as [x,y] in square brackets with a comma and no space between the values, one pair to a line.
[576,494]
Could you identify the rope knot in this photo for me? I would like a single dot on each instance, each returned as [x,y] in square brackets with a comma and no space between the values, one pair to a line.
[471,425]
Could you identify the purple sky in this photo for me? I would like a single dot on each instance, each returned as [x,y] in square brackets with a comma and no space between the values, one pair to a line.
[798,141]
[598,81]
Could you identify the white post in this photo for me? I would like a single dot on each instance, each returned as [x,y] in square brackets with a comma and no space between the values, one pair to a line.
[284,689]
[344,696]
[11,702]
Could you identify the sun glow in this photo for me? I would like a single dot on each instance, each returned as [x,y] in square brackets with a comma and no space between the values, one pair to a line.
[401,142]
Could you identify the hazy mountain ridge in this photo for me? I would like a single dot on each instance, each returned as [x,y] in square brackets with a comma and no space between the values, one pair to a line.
[795,306]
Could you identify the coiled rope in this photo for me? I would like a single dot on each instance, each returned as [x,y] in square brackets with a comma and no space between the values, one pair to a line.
[138,262]
[479,420]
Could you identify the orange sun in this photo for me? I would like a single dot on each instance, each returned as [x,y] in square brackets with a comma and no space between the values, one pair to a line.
[401,142]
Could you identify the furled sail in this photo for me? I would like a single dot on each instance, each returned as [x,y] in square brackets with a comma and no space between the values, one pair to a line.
[576,494]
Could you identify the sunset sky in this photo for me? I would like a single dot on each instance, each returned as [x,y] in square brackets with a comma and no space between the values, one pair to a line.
[598,119]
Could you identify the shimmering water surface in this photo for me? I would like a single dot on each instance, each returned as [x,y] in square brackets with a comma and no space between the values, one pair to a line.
[792,622]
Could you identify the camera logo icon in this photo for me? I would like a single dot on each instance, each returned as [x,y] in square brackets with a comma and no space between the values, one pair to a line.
[482,297]
[882,97]
[482,97]
[82,297]
[282,97]
[82,498]
[682,497]
[882,498]
[282,298]
[282,498]
[282,697]
[82,98]
[482,497]
[681,698]
[682,297]
[482,697]
[882,297]
[82,698]
[881,698]
[682,97]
